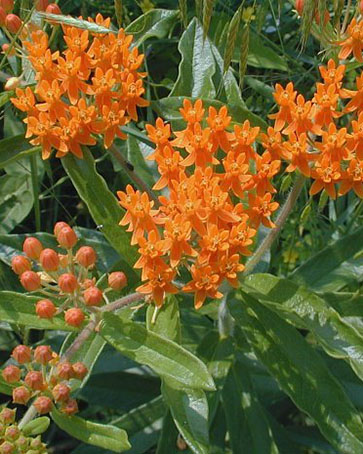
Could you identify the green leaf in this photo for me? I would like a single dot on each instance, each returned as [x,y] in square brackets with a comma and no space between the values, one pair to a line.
[310,312]
[155,23]
[167,443]
[334,266]
[300,372]
[101,435]
[189,408]
[102,205]
[197,65]
[166,358]
[92,27]
[167,323]
[5,388]
[247,420]
[36,427]
[20,309]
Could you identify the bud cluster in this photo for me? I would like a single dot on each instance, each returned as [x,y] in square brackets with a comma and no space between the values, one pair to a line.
[12,439]
[44,377]
[65,278]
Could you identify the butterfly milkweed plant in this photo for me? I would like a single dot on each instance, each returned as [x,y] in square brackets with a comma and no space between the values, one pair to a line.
[181,237]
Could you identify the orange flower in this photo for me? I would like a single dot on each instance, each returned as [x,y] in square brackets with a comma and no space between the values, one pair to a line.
[159,284]
[25,100]
[301,117]
[177,236]
[332,74]
[334,143]
[47,135]
[356,103]
[72,136]
[198,143]
[326,100]
[260,209]
[113,118]
[236,176]
[243,138]
[218,122]
[241,236]
[151,250]
[169,166]
[38,44]
[192,114]
[284,97]
[51,95]
[353,42]
[215,240]
[355,143]
[326,174]
[139,215]
[160,134]
[297,152]
[272,142]
[229,267]
[71,76]
[218,206]
[266,169]
[352,178]
[132,91]
[205,284]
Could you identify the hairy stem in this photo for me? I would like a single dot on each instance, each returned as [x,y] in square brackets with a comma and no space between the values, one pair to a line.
[280,221]
[132,174]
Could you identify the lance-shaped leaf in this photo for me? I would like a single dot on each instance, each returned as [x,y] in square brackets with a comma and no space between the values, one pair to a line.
[301,373]
[101,435]
[166,358]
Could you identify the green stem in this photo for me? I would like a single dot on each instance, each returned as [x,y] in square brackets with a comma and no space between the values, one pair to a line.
[280,221]
[35,187]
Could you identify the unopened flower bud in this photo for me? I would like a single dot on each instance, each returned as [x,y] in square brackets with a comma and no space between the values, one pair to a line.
[43,405]
[30,281]
[74,317]
[2,17]
[49,260]
[86,256]
[117,280]
[20,264]
[32,247]
[45,309]
[299,6]
[61,392]
[6,47]
[11,374]
[65,370]
[22,444]
[53,8]
[21,395]
[22,354]
[42,5]
[13,23]
[12,83]
[34,380]
[7,448]
[7,416]
[67,282]
[70,407]
[12,433]
[67,237]
[93,296]
[8,5]
[59,226]
[43,354]
[80,370]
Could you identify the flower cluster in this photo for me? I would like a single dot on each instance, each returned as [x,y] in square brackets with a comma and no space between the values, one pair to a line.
[64,279]
[314,142]
[41,375]
[13,440]
[216,200]
[91,88]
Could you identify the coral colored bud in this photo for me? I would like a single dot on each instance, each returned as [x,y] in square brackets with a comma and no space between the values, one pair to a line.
[34,380]
[67,282]
[74,317]
[42,5]
[11,374]
[13,23]
[49,260]
[43,354]
[45,309]
[21,395]
[61,392]
[22,354]
[117,280]
[86,256]
[2,17]
[70,407]
[92,296]
[80,370]
[12,433]
[361,6]
[7,448]
[8,5]
[12,83]
[65,370]
[5,47]
[53,8]
[43,405]
[20,264]
[299,6]
[30,281]
[32,247]
[7,416]
[59,226]
[67,237]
